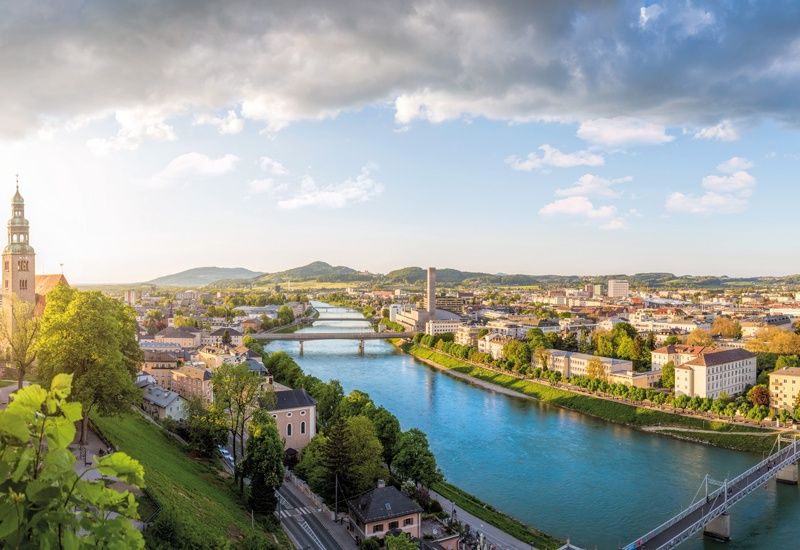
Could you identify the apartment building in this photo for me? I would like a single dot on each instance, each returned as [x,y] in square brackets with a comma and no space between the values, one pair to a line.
[618,288]
[436,327]
[677,353]
[493,344]
[714,371]
[784,386]
[467,335]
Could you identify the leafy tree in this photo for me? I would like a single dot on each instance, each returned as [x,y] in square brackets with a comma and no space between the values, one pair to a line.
[726,327]
[518,353]
[400,542]
[226,338]
[44,503]
[237,391]
[19,330]
[482,332]
[536,339]
[263,463]
[668,375]
[775,340]
[92,337]
[413,459]
[205,427]
[285,315]
[387,428]
[671,340]
[758,395]
[595,369]
[356,403]
[787,361]
[352,457]
[699,337]
[603,343]
[312,465]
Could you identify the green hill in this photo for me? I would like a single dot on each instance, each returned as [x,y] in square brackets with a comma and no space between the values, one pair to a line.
[316,271]
[202,276]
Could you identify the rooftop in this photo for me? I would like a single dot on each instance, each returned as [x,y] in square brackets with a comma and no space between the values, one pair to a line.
[292,399]
[382,503]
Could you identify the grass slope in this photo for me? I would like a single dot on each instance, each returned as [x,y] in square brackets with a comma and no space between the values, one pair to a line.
[613,411]
[198,497]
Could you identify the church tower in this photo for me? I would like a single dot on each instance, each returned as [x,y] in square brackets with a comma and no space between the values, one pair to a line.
[18,256]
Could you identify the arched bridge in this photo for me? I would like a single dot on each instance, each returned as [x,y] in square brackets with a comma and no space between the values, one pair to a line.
[709,513]
[338,335]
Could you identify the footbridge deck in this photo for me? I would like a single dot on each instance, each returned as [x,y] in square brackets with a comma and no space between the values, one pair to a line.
[339,335]
[712,506]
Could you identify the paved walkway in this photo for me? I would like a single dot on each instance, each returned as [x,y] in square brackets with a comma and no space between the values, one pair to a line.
[500,539]
[6,391]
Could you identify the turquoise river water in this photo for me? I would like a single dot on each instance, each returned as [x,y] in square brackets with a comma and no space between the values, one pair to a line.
[570,475]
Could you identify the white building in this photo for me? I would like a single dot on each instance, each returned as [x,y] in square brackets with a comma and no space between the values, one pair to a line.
[394,309]
[715,371]
[618,288]
[507,328]
[467,335]
[493,344]
[435,327]
[570,363]
[677,353]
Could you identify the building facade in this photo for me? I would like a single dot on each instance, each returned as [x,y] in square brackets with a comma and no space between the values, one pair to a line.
[618,288]
[295,413]
[571,363]
[784,386]
[715,371]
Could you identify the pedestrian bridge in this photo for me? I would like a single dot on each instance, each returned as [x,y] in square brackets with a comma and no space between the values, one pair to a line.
[709,512]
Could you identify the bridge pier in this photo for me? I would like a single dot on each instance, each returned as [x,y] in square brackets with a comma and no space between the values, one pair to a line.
[788,475]
[719,528]
[361,347]
[301,348]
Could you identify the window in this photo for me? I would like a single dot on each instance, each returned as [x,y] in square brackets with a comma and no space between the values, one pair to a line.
[22,265]
[23,284]
[6,265]
[393,525]
[377,528]
[302,413]
[302,427]
[288,414]
[288,430]
[408,521]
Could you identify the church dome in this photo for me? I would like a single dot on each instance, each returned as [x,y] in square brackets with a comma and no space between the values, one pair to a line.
[17,198]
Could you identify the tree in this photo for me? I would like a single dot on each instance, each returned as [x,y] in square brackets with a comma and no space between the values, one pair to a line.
[19,330]
[668,375]
[671,340]
[44,503]
[237,391]
[387,427]
[787,361]
[352,457]
[312,466]
[400,542]
[413,459]
[263,463]
[285,315]
[699,337]
[775,340]
[518,353]
[726,327]
[94,338]
[205,427]
[328,397]
[758,395]
[595,369]
[226,338]
[356,403]
[603,343]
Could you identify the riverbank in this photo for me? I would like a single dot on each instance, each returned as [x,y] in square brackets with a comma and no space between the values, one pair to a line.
[689,428]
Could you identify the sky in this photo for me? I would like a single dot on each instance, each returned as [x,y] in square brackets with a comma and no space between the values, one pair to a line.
[571,137]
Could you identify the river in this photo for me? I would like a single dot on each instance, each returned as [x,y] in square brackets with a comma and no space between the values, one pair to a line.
[565,473]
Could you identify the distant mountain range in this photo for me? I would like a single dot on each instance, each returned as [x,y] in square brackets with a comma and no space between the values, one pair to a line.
[203,276]
[220,277]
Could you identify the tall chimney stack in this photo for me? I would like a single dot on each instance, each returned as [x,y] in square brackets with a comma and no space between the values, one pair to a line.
[431,299]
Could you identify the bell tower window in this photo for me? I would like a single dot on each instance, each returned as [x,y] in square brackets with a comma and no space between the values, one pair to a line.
[23,284]
[22,265]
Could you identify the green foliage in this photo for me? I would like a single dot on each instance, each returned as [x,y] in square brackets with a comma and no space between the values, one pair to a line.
[413,459]
[387,427]
[204,428]
[758,395]
[43,502]
[400,542]
[93,337]
[263,463]
[668,375]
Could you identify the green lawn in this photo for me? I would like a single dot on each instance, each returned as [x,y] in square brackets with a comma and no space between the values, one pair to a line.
[490,515]
[6,383]
[206,510]
[612,411]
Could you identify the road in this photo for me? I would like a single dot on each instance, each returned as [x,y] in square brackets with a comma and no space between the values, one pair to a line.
[300,522]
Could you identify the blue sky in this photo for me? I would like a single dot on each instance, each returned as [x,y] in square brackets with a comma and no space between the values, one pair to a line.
[533,138]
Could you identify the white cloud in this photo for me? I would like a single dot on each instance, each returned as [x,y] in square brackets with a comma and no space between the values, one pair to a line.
[735,164]
[708,203]
[135,125]
[362,188]
[577,206]
[649,13]
[272,166]
[724,131]
[266,185]
[614,225]
[622,131]
[191,166]
[589,184]
[553,157]
[230,124]
[738,181]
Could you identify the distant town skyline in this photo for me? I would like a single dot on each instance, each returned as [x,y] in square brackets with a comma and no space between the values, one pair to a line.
[534,138]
